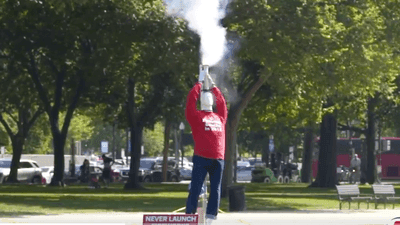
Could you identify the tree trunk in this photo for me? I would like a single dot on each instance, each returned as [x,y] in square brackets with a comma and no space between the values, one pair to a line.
[127,150]
[307,156]
[113,140]
[136,140]
[17,144]
[167,131]
[370,139]
[18,140]
[327,153]
[59,143]
[265,155]
[72,163]
[230,130]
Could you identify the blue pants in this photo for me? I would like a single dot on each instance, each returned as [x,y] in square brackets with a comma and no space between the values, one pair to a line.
[202,166]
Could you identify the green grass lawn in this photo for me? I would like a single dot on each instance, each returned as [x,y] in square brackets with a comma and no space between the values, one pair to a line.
[30,199]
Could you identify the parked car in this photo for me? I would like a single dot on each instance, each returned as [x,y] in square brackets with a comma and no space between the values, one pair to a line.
[115,168]
[47,174]
[185,168]
[185,172]
[144,173]
[243,163]
[173,173]
[244,173]
[150,170]
[28,171]
[185,162]
[67,172]
[254,161]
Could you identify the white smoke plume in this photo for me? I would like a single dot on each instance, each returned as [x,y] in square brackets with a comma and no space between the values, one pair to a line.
[204,18]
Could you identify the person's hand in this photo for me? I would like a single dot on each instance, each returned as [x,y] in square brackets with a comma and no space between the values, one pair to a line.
[201,77]
[211,80]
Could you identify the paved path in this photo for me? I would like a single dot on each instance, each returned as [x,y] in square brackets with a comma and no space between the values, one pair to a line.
[343,217]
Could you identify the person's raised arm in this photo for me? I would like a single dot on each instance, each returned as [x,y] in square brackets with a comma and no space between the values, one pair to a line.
[191,112]
[222,110]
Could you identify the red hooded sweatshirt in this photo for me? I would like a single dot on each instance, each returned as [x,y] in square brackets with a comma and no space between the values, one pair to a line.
[208,128]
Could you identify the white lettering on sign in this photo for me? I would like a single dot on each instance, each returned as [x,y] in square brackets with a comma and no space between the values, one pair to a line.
[170,219]
[170,224]
[156,219]
[182,219]
[212,124]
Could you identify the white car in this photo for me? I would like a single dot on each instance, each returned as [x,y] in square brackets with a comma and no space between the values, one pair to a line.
[28,171]
[47,174]
[186,172]
[244,173]
[242,163]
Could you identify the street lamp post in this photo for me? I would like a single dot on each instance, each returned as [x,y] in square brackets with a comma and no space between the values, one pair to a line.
[182,128]
[363,159]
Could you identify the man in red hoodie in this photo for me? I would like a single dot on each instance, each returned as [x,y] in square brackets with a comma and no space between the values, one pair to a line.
[208,129]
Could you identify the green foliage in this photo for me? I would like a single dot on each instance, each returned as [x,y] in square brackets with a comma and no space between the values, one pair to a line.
[189,150]
[252,142]
[313,54]
[4,138]
[39,140]
[81,127]
[153,140]
[103,131]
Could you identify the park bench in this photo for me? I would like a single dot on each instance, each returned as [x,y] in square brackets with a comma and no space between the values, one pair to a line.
[351,193]
[384,193]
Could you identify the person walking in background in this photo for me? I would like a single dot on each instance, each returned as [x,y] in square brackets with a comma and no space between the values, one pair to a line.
[355,164]
[108,162]
[84,178]
[208,129]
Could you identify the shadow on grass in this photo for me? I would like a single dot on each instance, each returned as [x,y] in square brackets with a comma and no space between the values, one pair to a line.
[156,198]
[19,214]
[84,188]
[61,203]
[285,188]
[291,196]
[270,205]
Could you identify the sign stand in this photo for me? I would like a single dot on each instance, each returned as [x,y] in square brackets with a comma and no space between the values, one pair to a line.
[202,210]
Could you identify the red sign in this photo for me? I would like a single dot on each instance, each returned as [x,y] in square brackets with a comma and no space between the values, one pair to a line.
[171,219]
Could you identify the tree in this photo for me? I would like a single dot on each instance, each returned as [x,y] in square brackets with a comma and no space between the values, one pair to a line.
[368,61]
[281,27]
[72,66]
[18,113]
[156,91]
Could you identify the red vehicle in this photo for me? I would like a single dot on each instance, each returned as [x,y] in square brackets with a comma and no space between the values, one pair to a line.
[388,159]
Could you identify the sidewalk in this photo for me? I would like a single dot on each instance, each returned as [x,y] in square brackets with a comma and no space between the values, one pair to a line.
[342,217]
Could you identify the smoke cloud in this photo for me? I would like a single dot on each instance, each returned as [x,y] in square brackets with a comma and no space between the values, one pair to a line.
[203,17]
